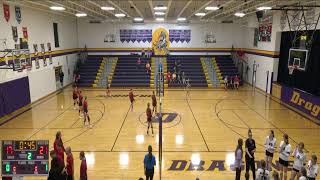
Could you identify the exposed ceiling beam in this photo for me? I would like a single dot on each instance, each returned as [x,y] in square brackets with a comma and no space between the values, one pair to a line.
[119,8]
[68,7]
[200,8]
[151,7]
[168,8]
[88,9]
[253,8]
[136,8]
[98,5]
[36,8]
[222,5]
[239,6]
[184,8]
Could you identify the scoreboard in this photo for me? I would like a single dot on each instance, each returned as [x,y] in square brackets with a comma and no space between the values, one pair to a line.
[25,158]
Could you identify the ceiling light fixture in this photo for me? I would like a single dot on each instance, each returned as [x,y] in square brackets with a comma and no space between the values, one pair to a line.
[57,8]
[200,14]
[182,19]
[81,14]
[107,8]
[264,8]
[119,15]
[212,8]
[159,13]
[159,19]
[138,19]
[239,14]
[160,8]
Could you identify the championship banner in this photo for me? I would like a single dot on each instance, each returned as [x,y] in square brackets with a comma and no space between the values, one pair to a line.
[179,35]
[302,101]
[133,35]
[18,14]
[6,11]
[265,29]
[25,32]
[14,33]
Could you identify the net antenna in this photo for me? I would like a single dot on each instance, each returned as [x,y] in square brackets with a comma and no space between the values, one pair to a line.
[160,94]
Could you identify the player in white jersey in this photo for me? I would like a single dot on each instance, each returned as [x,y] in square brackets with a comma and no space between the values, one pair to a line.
[299,160]
[270,146]
[284,153]
[313,168]
[263,173]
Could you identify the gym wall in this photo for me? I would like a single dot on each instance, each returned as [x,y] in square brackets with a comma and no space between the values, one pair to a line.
[40,30]
[226,35]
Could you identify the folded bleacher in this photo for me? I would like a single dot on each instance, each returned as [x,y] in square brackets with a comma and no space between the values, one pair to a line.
[192,68]
[88,71]
[226,66]
[127,73]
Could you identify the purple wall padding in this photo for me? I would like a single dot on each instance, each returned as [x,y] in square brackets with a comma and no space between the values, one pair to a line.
[14,95]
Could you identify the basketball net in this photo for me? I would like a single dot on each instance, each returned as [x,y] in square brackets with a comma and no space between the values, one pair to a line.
[291,69]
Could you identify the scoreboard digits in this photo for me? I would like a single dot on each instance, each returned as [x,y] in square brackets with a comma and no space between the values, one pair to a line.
[25,158]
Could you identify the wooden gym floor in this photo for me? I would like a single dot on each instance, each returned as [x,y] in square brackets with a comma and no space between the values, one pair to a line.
[204,127]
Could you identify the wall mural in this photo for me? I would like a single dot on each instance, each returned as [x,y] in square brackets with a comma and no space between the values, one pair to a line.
[133,35]
[160,41]
[178,35]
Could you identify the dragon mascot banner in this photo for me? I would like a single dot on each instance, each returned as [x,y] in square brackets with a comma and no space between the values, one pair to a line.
[160,41]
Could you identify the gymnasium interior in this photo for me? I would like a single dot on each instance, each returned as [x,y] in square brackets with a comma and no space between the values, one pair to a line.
[214,71]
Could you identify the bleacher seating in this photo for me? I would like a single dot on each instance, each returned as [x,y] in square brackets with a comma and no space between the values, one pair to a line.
[192,68]
[88,71]
[127,74]
[226,66]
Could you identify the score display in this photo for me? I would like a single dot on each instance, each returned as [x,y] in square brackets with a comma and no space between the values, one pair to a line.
[25,158]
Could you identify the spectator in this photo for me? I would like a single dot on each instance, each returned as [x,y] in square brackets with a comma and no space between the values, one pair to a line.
[225,82]
[83,167]
[138,63]
[61,75]
[148,67]
[169,77]
[238,158]
[149,163]
[174,77]
[183,78]
[77,78]
[142,53]
[236,82]
[263,173]
[70,164]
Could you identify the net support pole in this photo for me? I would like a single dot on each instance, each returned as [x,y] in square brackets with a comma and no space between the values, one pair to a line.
[160,88]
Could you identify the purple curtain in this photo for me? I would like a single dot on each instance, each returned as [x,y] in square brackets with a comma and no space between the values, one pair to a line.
[14,95]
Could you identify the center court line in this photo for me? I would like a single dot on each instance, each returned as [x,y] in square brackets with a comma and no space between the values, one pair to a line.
[125,118]
[205,142]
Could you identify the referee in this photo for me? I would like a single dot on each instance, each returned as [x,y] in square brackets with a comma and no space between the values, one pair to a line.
[149,163]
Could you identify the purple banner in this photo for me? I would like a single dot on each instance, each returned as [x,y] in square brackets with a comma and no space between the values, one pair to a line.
[302,101]
[179,35]
[133,35]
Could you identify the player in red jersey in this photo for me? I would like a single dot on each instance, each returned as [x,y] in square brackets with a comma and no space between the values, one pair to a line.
[60,153]
[70,164]
[149,118]
[75,96]
[57,141]
[85,111]
[83,167]
[80,101]
[131,97]
[154,102]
